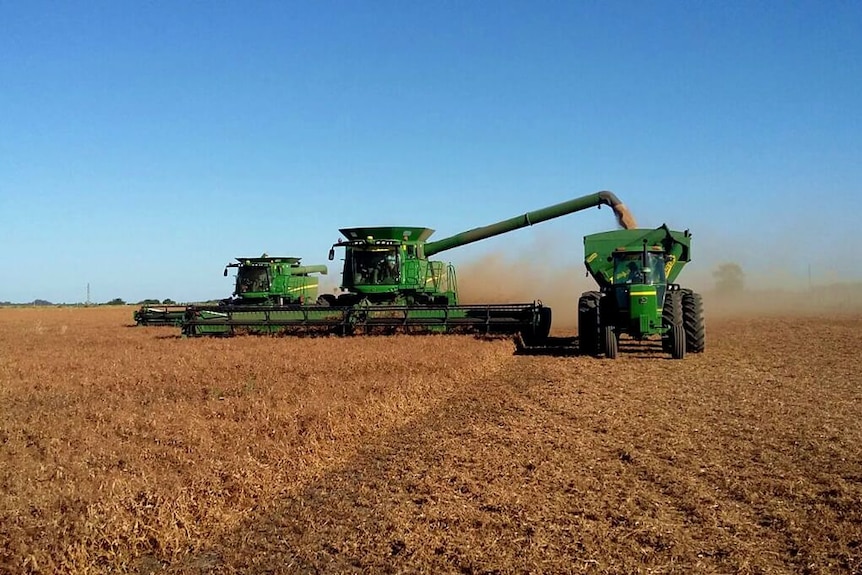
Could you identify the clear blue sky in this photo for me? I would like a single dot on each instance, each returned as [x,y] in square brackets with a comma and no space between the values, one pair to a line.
[143,145]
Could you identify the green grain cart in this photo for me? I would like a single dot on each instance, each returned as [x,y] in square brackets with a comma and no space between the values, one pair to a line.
[636,270]
[389,284]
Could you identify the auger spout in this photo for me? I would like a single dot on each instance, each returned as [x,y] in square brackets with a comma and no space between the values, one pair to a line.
[624,218]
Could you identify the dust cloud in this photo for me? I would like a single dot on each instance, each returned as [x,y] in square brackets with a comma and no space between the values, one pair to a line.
[502,278]
[834,299]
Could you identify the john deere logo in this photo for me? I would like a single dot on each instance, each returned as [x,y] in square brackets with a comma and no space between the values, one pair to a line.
[642,300]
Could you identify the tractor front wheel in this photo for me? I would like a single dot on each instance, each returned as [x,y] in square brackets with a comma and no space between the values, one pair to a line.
[673,340]
[677,335]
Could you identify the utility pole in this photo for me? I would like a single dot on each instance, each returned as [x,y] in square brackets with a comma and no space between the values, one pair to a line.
[88,295]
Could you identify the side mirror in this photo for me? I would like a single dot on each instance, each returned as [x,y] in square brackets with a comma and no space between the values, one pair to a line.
[331,254]
[225,272]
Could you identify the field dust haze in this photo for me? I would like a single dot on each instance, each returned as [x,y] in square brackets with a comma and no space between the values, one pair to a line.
[502,277]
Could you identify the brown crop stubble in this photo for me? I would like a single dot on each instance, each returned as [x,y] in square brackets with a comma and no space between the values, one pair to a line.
[123,450]
[122,445]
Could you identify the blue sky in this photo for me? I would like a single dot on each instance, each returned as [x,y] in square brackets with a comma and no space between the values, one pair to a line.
[143,145]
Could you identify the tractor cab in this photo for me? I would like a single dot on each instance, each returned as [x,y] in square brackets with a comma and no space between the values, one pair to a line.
[645,267]
[639,286]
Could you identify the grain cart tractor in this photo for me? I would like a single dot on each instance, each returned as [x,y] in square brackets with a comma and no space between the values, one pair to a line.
[390,285]
[636,270]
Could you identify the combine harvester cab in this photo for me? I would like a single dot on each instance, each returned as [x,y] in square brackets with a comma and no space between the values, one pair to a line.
[390,285]
[636,270]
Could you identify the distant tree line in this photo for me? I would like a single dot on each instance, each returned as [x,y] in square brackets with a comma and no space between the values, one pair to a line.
[115,301]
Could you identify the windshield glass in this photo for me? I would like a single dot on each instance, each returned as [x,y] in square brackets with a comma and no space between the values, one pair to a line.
[629,268]
[252,279]
[378,265]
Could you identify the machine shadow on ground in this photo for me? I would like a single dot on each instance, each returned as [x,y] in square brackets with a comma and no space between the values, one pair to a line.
[552,347]
[569,347]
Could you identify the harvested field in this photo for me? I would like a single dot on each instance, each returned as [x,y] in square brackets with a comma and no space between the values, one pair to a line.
[132,450]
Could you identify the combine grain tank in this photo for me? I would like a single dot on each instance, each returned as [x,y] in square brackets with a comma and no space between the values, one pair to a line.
[390,285]
[636,270]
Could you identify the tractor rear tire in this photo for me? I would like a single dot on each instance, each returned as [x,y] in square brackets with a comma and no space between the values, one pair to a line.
[692,319]
[589,323]
[611,344]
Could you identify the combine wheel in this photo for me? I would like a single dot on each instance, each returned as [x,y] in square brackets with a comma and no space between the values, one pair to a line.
[692,319]
[588,323]
[610,340]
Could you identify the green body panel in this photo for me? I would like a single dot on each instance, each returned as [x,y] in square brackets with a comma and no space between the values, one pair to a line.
[644,310]
[599,249]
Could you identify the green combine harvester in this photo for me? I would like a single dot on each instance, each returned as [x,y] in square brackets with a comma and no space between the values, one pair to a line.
[260,282]
[267,290]
[636,270]
[389,285]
